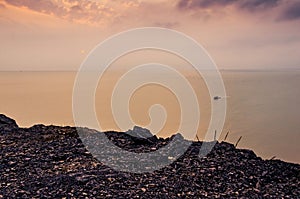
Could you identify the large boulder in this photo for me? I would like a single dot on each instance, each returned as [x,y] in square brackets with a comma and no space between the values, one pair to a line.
[141,135]
[139,132]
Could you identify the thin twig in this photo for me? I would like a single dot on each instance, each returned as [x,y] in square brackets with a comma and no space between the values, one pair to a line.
[197,138]
[238,141]
[226,135]
[273,158]
[215,138]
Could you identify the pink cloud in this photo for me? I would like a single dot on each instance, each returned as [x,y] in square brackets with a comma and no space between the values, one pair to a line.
[84,11]
[2,5]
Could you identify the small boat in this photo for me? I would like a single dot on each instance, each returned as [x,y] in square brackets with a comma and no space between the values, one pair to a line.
[217,97]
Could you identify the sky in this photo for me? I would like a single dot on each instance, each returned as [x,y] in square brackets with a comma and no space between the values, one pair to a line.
[238,34]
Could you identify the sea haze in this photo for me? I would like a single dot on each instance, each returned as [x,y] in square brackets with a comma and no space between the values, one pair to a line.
[262,106]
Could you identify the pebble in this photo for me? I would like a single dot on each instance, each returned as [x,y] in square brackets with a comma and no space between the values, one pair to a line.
[51,162]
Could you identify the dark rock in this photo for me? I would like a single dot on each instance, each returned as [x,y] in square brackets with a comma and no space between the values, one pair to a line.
[6,121]
[52,162]
[139,132]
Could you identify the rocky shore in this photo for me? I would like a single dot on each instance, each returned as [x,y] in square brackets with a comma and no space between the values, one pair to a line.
[52,162]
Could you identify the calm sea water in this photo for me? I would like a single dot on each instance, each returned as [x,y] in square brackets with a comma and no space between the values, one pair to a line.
[263,106]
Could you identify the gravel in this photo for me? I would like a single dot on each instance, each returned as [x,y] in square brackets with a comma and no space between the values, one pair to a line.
[51,162]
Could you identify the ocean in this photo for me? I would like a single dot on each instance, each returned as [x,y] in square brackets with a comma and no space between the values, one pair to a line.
[262,106]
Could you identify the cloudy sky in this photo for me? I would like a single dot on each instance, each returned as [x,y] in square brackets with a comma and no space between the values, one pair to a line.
[238,34]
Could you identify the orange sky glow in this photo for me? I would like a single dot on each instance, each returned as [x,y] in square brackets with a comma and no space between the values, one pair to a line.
[58,34]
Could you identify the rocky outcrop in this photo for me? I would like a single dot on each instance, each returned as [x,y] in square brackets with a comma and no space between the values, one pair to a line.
[51,162]
[4,120]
